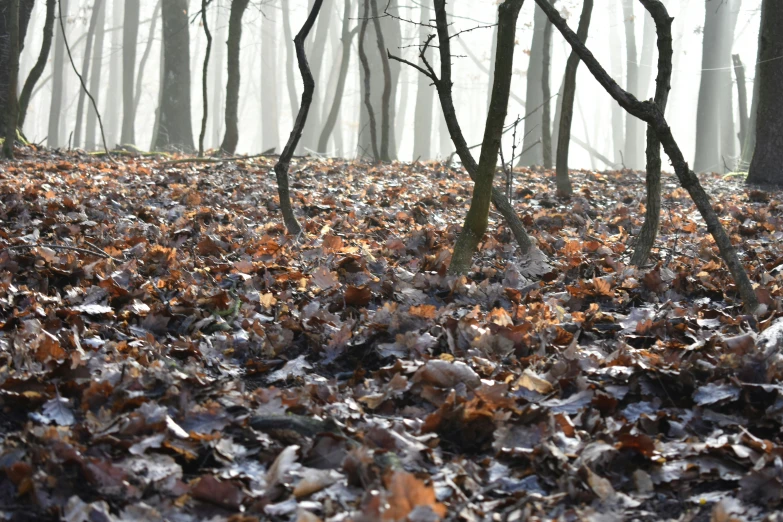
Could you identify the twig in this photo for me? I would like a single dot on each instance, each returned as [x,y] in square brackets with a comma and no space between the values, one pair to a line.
[99,253]
[81,80]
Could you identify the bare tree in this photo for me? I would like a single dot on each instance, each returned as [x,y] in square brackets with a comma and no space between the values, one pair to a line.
[367,87]
[96,69]
[40,65]
[283,163]
[231,138]
[58,83]
[742,98]
[130,36]
[12,115]
[651,113]
[204,79]
[567,112]
[15,18]
[422,130]
[386,124]
[632,129]
[270,111]
[546,114]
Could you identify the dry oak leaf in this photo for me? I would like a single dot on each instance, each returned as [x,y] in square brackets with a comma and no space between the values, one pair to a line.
[447,375]
[358,295]
[423,311]
[406,493]
[324,279]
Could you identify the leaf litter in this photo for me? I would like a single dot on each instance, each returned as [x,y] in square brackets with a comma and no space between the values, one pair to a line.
[191,362]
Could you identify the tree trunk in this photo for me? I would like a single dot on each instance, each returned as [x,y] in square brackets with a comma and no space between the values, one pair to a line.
[546,94]
[11,22]
[145,57]
[632,129]
[77,131]
[645,76]
[204,79]
[283,164]
[534,97]
[130,38]
[331,119]
[749,145]
[765,169]
[367,87]
[651,113]
[40,65]
[231,138]
[422,119]
[742,98]
[270,114]
[567,112]
[478,214]
[289,60]
[652,217]
[387,86]
[176,129]
[616,61]
[111,108]
[716,88]
[317,52]
[58,85]
[95,76]
[8,64]
[218,112]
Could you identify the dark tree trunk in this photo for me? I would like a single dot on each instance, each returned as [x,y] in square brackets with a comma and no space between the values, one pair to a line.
[651,113]
[546,93]
[231,139]
[58,85]
[95,76]
[387,86]
[478,214]
[283,164]
[367,87]
[176,129]
[742,98]
[331,119]
[130,38]
[10,16]
[422,120]
[567,112]
[652,216]
[317,52]
[767,165]
[7,63]
[77,132]
[204,79]
[40,65]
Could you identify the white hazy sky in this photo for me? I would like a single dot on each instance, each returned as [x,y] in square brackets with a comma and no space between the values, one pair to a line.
[471,84]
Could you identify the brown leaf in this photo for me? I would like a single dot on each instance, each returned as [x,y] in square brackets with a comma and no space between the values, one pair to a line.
[221,493]
[358,295]
[405,493]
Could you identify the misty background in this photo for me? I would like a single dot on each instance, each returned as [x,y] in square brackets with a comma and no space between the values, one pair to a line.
[264,96]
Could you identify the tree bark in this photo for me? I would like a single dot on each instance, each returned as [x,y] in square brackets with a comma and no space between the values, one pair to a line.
[283,163]
[651,113]
[766,167]
[40,65]
[176,129]
[204,80]
[270,113]
[387,86]
[652,216]
[345,38]
[562,179]
[58,86]
[12,61]
[422,120]
[742,98]
[367,87]
[546,92]
[632,134]
[316,52]
[231,138]
[7,62]
[477,219]
[130,37]
[95,76]
[534,95]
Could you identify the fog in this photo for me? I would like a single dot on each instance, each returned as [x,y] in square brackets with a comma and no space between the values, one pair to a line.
[592,118]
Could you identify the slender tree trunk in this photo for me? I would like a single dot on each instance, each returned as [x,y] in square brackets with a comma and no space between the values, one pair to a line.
[96,10]
[161,79]
[478,214]
[632,129]
[270,114]
[742,98]
[566,116]
[331,119]
[111,108]
[16,18]
[218,112]
[492,57]
[231,138]
[95,76]
[765,169]
[204,79]
[422,130]
[283,164]
[40,65]
[652,216]
[176,129]
[368,83]
[645,76]
[58,67]
[387,86]
[546,115]
[12,107]
[650,113]
[534,97]
[749,145]
[130,38]
[317,52]
[616,62]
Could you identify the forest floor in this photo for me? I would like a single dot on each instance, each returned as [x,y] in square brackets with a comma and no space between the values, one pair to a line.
[192,362]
